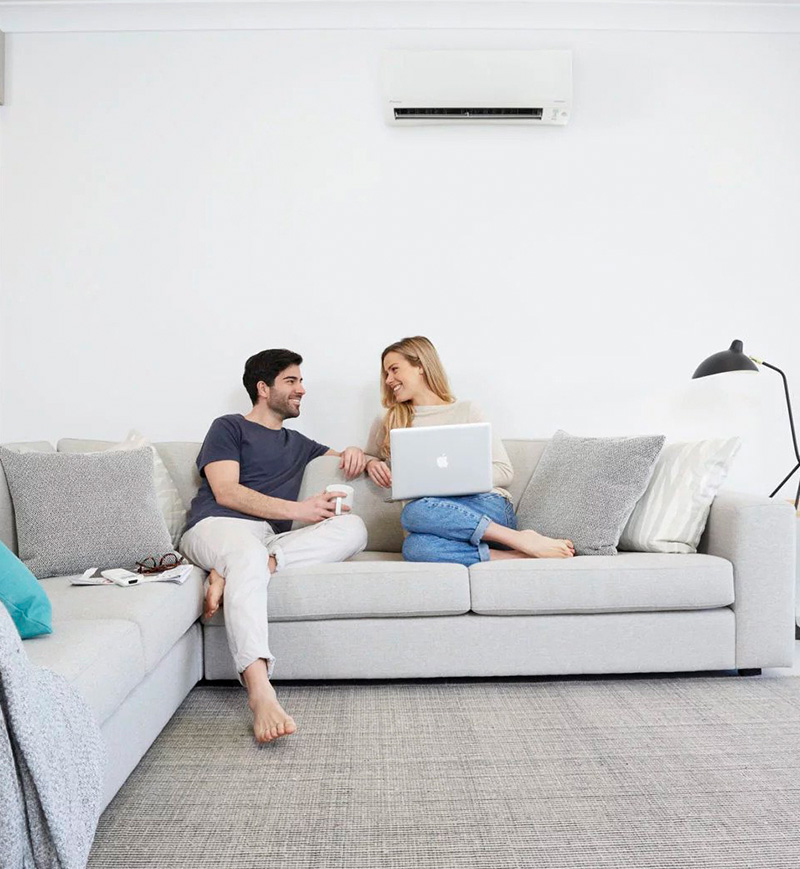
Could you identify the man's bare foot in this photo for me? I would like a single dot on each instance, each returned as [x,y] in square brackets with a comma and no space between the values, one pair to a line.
[538,546]
[270,721]
[215,588]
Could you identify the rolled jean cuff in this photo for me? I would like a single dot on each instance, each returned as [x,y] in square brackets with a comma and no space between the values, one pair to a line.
[477,535]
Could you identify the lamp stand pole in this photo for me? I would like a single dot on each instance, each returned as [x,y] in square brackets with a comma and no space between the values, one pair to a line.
[794,435]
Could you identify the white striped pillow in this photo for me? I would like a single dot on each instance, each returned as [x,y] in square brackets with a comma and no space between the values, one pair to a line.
[672,513]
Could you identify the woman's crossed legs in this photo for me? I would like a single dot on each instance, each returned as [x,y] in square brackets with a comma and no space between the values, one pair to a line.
[460,529]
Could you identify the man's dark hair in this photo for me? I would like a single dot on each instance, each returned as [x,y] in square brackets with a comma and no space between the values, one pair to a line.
[266,366]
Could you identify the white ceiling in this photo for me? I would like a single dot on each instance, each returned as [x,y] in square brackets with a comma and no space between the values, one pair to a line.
[748,16]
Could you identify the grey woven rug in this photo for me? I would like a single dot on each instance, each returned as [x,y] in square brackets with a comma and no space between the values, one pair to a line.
[676,772]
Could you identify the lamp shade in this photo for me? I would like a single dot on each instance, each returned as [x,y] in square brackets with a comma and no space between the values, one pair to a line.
[733,359]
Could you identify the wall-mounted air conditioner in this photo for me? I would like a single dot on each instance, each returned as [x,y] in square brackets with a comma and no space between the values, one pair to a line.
[460,87]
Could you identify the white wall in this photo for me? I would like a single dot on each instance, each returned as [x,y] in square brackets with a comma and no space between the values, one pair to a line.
[173,202]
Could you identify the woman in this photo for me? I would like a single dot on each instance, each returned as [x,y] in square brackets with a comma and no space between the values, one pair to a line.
[462,529]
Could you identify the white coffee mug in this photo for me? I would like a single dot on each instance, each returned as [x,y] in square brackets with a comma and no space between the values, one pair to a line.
[348,491]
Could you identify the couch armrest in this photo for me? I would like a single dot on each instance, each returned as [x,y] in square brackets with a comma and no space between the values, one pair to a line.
[757,535]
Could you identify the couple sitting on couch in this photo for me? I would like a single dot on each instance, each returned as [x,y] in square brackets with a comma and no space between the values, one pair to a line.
[252,467]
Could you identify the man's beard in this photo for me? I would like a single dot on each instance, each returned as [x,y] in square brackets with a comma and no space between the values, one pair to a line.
[284,408]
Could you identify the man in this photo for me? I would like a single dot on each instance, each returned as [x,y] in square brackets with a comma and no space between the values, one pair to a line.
[238,526]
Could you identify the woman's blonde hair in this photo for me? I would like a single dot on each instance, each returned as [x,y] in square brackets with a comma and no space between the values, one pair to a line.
[421,353]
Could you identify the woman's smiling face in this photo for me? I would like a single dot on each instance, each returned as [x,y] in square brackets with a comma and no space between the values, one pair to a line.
[404,379]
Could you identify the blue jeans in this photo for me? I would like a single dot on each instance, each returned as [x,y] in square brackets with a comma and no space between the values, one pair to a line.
[450,529]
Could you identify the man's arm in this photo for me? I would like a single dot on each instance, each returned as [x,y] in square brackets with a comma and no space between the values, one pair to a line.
[223,477]
[353,461]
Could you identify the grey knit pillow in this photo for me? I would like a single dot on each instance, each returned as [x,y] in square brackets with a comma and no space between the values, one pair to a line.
[584,489]
[81,510]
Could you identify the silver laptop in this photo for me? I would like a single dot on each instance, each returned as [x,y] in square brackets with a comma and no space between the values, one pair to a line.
[441,460]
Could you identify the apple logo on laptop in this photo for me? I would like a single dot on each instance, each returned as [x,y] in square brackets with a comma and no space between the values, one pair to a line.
[442,461]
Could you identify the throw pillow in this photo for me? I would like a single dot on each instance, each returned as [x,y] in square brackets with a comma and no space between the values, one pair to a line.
[672,513]
[169,500]
[23,597]
[81,510]
[584,489]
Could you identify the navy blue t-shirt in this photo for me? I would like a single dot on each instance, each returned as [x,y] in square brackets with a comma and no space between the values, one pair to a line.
[270,461]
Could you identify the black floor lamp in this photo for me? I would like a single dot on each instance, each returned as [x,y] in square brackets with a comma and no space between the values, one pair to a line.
[734,359]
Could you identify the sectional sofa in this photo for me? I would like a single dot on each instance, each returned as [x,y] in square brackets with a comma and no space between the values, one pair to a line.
[135,653]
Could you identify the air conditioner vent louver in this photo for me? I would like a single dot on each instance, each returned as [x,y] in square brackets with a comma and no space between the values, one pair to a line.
[423,87]
[469,113]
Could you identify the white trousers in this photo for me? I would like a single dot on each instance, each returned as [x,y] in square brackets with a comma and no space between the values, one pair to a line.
[239,549]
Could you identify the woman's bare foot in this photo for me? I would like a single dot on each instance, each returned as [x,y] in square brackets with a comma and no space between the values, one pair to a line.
[215,588]
[503,554]
[538,546]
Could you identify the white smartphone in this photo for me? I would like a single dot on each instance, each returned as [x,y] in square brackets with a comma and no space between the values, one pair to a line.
[121,577]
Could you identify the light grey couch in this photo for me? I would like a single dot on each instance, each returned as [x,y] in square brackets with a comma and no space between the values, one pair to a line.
[135,653]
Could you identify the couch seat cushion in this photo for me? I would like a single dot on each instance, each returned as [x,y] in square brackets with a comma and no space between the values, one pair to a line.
[102,658]
[628,582]
[369,587]
[377,556]
[162,611]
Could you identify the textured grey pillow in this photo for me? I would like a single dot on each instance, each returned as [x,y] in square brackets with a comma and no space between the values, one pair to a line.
[584,489]
[81,510]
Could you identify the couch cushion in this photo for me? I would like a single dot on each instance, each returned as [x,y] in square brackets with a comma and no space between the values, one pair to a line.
[169,499]
[179,457]
[629,582]
[358,589]
[162,611]
[23,596]
[524,455]
[8,527]
[369,555]
[672,513]
[85,510]
[382,517]
[585,489]
[101,658]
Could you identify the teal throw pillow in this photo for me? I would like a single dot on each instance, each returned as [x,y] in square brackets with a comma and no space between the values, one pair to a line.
[23,596]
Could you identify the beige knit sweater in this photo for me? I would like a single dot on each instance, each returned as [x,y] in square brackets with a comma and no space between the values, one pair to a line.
[452,414]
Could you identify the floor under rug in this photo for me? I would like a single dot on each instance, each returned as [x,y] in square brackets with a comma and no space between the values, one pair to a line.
[662,772]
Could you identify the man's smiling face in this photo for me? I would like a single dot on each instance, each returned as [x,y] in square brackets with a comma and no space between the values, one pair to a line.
[286,393]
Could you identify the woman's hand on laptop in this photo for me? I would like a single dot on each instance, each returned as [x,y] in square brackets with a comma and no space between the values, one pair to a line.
[380,473]
[353,462]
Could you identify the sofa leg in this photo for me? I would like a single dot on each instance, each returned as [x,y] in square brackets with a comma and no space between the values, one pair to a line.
[754,671]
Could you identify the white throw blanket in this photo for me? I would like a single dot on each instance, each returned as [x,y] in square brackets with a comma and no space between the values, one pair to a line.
[51,764]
